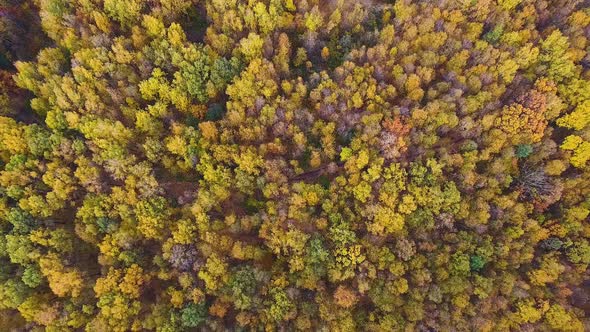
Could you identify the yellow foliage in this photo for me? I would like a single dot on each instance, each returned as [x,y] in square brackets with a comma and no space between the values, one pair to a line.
[11,136]
[214,273]
[132,281]
[522,125]
[63,281]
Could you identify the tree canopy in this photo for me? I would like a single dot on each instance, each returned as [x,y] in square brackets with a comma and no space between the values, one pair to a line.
[181,165]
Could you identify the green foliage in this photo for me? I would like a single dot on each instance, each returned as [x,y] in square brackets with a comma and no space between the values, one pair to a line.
[193,315]
[476,263]
[524,150]
[242,287]
[215,112]
[494,35]
[460,264]
[224,71]
[32,277]
[552,244]
[279,305]
[22,222]
[195,76]
[12,294]
[580,253]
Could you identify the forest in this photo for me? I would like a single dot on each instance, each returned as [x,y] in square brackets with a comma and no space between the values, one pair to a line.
[294,165]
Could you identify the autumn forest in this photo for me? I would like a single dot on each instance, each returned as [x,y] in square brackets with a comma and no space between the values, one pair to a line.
[294,165]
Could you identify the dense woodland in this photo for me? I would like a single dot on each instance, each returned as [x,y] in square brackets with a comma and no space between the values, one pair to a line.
[280,165]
